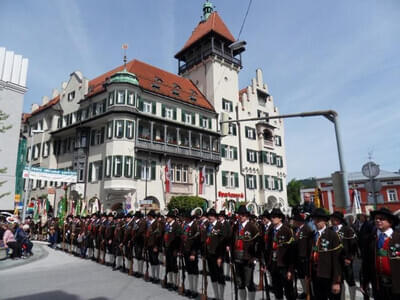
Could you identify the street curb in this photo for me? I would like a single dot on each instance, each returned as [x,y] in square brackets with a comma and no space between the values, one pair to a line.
[44,253]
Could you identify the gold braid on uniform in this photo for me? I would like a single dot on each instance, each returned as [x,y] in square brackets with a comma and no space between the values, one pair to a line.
[330,250]
[291,240]
[249,240]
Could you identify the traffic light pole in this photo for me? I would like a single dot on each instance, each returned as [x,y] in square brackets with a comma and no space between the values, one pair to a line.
[332,116]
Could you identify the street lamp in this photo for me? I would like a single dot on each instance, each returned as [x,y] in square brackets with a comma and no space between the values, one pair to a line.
[28,191]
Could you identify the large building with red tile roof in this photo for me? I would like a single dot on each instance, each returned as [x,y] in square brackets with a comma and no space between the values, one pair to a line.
[141,133]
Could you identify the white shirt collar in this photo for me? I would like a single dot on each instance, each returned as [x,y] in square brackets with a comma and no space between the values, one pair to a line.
[278,227]
[321,231]
[190,224]
[245,223]
[214,223]
[172,222]
[152,221]
[388,232]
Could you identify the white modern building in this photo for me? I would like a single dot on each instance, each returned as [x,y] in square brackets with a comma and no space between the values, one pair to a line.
[120,130]
[13,74]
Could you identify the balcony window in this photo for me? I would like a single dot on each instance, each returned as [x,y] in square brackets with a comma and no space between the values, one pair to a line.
[144,130]
[183,138]
[195,140]
[46,147]
[189,117]
[205,122]
[206,143]
[168,112]
[147,107]
[215,145]
[171,136]
[158,133]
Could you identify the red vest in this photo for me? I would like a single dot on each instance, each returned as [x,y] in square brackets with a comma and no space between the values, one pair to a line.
[382,261]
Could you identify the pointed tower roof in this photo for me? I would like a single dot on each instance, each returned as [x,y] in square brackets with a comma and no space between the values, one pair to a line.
[213,23]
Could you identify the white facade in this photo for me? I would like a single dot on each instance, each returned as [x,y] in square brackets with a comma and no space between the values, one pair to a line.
[13,74]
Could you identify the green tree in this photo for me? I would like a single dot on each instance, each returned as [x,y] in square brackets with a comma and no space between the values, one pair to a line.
[293,192]
[3,128]
[186,203]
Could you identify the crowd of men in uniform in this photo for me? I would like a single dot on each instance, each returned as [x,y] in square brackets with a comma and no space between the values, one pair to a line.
[317,250]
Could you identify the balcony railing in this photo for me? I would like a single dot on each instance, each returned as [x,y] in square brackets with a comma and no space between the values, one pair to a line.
[175,150]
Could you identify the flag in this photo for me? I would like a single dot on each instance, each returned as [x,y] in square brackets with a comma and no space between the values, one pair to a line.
[317,198]
[78,207]
[36,211]
[168,176]
[202,178]
[84,208]
[61,211]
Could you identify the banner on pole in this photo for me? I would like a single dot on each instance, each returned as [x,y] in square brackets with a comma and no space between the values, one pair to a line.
[54,175]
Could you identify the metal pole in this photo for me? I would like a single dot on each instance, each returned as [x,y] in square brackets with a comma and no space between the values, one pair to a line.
[28,189]
[345,184]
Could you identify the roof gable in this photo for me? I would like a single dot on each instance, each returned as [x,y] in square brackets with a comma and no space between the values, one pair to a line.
[215,24]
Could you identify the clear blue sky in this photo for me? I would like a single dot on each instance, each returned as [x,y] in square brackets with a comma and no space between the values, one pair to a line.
[341,55]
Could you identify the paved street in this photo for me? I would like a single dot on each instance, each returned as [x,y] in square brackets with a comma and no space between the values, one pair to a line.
[61,276]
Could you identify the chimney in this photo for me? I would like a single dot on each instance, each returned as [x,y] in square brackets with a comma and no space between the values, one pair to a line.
[34,107]
[45,100]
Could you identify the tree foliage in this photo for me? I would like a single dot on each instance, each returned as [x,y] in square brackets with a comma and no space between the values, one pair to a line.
[293,192]
[186,203]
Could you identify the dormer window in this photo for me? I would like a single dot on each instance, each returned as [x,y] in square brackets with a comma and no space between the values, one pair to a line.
[157,82]
[193,96]
[176,89]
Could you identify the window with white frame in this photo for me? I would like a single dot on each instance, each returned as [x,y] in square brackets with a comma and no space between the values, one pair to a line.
[227,105]
[250,133]
[209,177]
[188,118]
[120,97]
[119,128]
[71,96]
[145,171]
[108,166]
[117,166]
[232,129]
[392,195]
[111,98]
[46,147]
[131,98]
[251,181]
[129,130]
[128,166]
[81,171]
[169,113]
[204,122]
[147,107]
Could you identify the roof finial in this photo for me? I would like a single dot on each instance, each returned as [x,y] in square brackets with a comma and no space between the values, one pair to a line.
[208,8]
[125,47]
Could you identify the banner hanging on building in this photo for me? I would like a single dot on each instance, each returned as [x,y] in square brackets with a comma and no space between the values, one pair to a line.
[54,175]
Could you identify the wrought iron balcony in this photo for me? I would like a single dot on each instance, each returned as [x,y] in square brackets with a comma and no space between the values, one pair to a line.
[177,150]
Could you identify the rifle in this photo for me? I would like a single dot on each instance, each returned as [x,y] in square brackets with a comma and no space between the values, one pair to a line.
[146,257]
[182,285]
[205,283]
[165,280]
[266,286]
[261,280]
[233,271]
